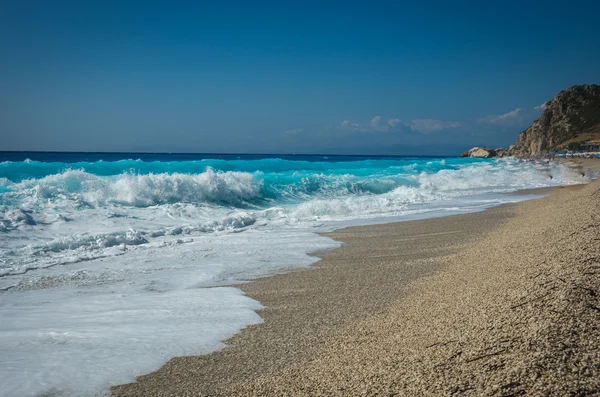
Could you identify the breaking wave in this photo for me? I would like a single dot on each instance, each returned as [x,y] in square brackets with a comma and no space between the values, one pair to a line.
[227,188]
[412,183]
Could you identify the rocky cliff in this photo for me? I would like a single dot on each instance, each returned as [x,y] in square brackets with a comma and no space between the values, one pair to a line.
[573,116]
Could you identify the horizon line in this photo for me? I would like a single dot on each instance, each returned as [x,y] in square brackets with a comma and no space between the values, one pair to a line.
[225,153]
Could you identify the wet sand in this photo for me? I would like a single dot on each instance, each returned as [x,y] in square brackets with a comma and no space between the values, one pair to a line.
[502,302]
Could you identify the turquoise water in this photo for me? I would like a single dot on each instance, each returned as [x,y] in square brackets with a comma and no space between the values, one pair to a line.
[235,180]
[48,197]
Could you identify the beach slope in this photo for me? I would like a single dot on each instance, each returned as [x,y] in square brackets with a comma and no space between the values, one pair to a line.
[503,302]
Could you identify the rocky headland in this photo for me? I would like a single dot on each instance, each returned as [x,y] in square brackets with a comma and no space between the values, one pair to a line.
[570,121]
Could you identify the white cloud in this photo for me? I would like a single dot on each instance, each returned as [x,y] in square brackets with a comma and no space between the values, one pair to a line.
[428,126]
[394,122]
[352,126]
[377,124]
[395,125]
[376,121]
[514,118]
[293,131]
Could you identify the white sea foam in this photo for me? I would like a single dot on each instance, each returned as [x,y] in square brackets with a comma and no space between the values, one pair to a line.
[76,342]
[76,331]
[436,189]
[145,190]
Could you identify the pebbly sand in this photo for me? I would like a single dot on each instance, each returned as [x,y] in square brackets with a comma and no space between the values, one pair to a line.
[504,302]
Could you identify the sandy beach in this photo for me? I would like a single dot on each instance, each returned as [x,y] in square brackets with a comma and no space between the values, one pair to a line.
[502,302]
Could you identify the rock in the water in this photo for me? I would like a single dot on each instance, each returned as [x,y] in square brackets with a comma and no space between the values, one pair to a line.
[480,152]
[501,152]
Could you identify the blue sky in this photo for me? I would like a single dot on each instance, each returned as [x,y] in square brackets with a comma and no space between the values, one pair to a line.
[286,77]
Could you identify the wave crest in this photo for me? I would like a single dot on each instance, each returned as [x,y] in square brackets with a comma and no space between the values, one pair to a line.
[225,188]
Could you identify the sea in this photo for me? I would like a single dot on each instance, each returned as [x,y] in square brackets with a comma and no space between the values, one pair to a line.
[113,263]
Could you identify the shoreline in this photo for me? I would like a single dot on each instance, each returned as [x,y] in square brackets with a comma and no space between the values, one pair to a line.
[303,317]
[157,296]
[297,309]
